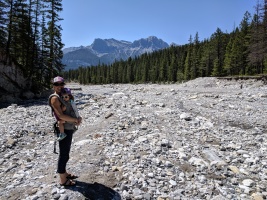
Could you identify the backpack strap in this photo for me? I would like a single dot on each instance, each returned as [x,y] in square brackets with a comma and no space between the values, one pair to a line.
[56,132]
[49,101]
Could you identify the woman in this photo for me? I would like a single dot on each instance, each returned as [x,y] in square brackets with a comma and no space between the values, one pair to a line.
[69,127]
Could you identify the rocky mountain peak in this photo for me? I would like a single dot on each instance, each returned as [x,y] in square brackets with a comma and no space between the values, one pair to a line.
[108,50]
[151,41]
[100,46]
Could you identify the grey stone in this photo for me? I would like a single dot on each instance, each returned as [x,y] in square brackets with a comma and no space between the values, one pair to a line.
[144,150]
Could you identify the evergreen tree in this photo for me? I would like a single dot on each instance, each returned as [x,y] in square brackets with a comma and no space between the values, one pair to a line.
[188,60]
[256,47]
[53,7]
[172,72]
[22,38]
[163,70]
[34,49]
[181,56]
[219,43]
[264,39]
[10,30]
[216,68]
[3,25]
[130,75]
[195,58]
[236,56]
[228,58]
[205,60]
[145,68]
[44,58]
[244,41]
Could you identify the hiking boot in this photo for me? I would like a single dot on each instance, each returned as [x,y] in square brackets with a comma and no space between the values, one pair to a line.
[61,136]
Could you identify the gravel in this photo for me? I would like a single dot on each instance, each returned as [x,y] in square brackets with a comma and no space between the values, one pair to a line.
[203,139]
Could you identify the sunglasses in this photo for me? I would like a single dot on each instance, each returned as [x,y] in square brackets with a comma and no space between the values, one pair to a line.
[65,96]
[59,84]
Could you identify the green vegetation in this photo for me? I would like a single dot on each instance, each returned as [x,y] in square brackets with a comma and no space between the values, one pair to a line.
[30,38]
[241,52]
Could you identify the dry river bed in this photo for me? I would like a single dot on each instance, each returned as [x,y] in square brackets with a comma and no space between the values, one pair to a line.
[203,139]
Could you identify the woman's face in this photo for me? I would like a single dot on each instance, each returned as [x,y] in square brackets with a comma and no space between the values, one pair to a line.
[58,87]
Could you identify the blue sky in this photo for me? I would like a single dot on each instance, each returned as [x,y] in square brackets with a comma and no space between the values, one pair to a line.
[169,20]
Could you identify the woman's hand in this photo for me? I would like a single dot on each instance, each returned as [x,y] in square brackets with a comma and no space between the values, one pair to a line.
[79,121]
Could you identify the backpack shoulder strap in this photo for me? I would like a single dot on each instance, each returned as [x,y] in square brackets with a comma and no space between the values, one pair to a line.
[49,101]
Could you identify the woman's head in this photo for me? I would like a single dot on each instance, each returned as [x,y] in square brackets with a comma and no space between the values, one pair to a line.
[58,84]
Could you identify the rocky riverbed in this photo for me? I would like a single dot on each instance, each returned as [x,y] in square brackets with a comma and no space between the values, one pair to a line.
[203,139]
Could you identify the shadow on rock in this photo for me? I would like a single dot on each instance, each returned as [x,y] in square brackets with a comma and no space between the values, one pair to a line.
[96,191]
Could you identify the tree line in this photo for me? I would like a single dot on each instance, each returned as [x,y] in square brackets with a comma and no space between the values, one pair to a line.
[30,38]
[240,52]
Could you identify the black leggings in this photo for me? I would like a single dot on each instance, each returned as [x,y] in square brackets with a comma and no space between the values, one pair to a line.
[64,152]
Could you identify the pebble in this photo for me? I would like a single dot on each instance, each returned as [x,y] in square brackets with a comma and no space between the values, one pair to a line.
[203,139]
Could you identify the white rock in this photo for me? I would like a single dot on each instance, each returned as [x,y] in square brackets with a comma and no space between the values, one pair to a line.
[82,142]
[248,182]
[172,182]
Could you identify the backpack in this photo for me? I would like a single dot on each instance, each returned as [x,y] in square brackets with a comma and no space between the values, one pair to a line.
[55,124]
[56,133]
[49,102]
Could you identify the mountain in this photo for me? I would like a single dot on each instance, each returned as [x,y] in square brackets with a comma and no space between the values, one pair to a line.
[108,50]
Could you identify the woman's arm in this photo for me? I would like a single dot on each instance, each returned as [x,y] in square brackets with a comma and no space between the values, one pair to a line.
[55,103]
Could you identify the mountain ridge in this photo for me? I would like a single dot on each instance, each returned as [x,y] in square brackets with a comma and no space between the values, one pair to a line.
[106,51]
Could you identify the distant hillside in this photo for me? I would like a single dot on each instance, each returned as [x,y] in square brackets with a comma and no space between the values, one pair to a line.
[108,50]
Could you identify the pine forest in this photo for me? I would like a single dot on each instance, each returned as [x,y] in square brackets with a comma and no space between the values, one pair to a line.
[30,37]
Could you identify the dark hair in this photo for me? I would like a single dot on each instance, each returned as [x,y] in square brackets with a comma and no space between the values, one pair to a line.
[71,97]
